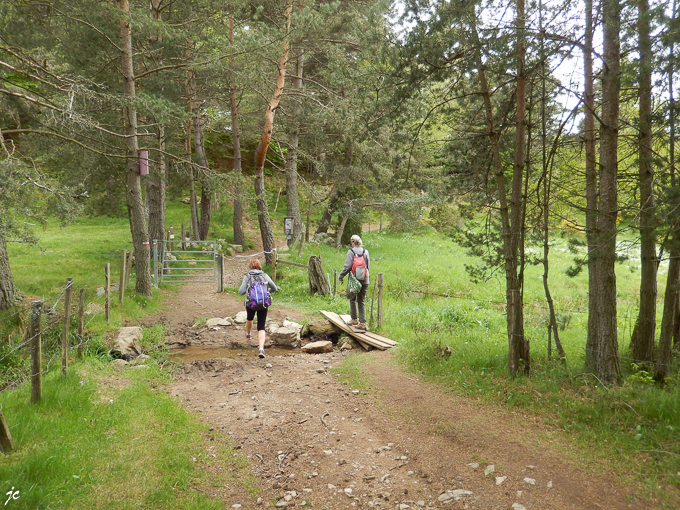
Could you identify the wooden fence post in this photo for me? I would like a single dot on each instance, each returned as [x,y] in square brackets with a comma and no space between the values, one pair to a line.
[121,284]
[81,322]
[380,308]
[184,236]
[107,292]
[128,266]
[36,352]
[335,281]
[275,259]
[66,325]
[5,435]
[370,322]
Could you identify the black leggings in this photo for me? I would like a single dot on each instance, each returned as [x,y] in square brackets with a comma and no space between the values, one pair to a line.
[261,317]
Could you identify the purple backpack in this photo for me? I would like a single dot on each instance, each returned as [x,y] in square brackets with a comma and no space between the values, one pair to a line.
[257,294]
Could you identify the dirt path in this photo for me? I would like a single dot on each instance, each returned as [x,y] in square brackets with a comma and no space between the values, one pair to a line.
[312,442]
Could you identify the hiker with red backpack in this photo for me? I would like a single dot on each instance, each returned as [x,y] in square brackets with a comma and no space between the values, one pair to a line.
[357,263]
[257,287]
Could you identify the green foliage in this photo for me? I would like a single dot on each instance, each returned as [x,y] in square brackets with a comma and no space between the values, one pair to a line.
[71,449]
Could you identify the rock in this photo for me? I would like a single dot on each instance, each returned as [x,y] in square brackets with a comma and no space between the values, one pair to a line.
[93,309]
[127,344]
[280,335]
[139,360]
[346,346]
[500,479]
[318,347]
[216,322]
[455,495]
[240,317]
[489,469]
[530,481]
[320,327]
[237,248]
[473,465]
[119,363]
[517,506]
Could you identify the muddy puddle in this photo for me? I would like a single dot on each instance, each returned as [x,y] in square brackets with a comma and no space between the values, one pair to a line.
[201,352]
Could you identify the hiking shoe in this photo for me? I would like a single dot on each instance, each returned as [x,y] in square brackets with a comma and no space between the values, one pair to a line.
[353,322]
[362,326]
[248,336]
[261,354]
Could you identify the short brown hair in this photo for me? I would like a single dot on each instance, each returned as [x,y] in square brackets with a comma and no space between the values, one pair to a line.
[255,264]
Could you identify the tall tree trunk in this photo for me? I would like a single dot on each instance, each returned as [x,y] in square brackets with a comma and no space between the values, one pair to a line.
[592,205]
[239,235]
[513,293]
[607,365]
[140,234]
[642,343]
[190,90]
[202,162]
[671,300]
[292,197]
[518,343]
[9,295]
[155,184]
[155,191]
[546,178]
[263,145]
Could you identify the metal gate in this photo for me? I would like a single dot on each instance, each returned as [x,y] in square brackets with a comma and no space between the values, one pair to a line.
[187,262]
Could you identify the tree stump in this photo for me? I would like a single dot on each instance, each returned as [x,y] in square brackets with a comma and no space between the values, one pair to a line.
[318,283]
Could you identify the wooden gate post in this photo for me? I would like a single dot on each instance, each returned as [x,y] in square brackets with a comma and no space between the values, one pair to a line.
[380,308]
[36,352]
[184,236]
[66,325]
[81,322]
[5,436]
[107,292]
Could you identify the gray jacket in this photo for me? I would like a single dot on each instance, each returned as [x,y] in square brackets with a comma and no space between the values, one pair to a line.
[349,259]
[256,272]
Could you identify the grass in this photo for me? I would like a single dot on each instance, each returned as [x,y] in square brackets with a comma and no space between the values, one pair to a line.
[634,425]
[90,445]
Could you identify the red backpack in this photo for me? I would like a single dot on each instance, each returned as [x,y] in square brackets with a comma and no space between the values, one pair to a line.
[359,269]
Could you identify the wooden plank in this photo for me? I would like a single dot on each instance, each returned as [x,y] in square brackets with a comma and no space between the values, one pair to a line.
[339,322]
[370,334]
[373,339]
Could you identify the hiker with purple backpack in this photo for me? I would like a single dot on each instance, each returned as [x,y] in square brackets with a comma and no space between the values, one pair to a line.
[357,263]
[257,287]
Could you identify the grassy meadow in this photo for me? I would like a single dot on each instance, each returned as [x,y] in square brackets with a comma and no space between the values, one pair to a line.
[67,455]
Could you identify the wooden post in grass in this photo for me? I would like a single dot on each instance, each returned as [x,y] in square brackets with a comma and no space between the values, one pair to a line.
[81,322]
[36,352]
[121,284]
[370,322]
[107,292]
[65,325]
[184,236]
[380,308]
[128,266]
[5,435]
[275,259]
[335,281]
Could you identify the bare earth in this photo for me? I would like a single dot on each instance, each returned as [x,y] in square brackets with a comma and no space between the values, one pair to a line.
[313,442]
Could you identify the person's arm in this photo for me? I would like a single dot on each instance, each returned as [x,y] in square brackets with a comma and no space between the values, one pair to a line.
[270,283]
[348,264]
[244,285]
